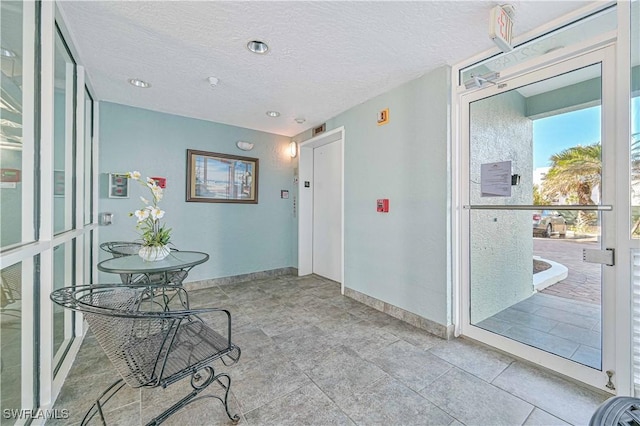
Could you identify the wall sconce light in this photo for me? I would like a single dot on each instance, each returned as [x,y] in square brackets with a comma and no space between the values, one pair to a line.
[245,146]
[293,149]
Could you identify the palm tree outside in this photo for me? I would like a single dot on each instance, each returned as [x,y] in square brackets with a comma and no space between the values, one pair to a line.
[574,175]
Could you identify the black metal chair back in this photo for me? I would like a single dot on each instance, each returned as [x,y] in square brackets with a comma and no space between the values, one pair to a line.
[148,345]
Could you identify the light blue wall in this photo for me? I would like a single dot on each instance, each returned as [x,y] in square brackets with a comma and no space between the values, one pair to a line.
[240,238]
[402,257]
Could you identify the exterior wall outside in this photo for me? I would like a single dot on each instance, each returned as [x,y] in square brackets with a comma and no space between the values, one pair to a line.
[566,99]
[402,257]
[240,238]
[501,242]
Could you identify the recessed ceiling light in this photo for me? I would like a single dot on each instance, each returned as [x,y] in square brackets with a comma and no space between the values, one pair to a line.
[257,46]
[139,83]
[273,113]
[7,53]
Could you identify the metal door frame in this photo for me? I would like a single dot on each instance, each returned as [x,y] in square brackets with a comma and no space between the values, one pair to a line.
[606,56]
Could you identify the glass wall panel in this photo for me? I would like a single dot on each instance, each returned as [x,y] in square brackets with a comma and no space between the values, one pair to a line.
[88,259]
[12,78]
[63,276]
[88,158]
[10,336]
[528,279]
[635,119]
[584,29]
[64,125]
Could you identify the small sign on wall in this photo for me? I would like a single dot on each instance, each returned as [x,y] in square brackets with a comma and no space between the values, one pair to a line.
[320,129]
[495,179]
[383,117]
[10,175]
[118,185]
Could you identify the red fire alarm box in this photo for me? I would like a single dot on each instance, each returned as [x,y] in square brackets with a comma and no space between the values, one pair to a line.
[383,205]
[160,181]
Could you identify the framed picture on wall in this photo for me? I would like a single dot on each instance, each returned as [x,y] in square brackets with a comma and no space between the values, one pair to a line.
[221,178]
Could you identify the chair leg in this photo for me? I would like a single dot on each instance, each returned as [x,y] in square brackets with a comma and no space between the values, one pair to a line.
[198,385]
[96,408]
[227,388]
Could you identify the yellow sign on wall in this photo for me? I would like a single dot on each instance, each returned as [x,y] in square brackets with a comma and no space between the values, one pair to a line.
[383,117]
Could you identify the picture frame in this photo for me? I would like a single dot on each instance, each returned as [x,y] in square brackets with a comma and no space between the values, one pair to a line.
[221,178]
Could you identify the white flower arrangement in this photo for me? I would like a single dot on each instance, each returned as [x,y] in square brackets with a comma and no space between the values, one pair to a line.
[153,233]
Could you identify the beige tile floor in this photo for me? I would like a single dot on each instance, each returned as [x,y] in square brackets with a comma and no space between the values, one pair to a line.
[313,357]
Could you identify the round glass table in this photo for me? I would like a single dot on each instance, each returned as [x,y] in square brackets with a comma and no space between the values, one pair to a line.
[170,271]
[177,261]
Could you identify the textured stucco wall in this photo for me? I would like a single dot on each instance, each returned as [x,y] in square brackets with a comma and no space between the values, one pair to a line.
[501,242]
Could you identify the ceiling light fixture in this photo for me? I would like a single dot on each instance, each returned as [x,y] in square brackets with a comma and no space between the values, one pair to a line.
[213,81]
[139,83]
[300,120]
[7,53]
[257,46]
[273,113]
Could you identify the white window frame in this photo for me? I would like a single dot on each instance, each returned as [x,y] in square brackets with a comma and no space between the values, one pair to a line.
[624,244]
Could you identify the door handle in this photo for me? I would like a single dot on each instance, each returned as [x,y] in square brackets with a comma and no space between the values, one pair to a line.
[604,257]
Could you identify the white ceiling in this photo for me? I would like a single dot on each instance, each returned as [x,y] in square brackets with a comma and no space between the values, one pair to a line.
[324,58]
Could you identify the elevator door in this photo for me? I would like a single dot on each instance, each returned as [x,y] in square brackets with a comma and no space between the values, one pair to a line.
[327,211]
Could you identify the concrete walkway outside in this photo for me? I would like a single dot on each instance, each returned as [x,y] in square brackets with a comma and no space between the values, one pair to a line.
[583,281]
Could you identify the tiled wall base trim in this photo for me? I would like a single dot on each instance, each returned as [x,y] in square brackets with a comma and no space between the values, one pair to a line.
[446,332]
[196,285]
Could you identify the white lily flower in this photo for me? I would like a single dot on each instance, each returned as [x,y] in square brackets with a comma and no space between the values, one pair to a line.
[149,214]
[141,214]
[156,213]
[157,192]
[134,175]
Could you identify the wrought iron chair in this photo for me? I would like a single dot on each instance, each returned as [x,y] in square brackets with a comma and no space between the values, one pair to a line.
[10,290]
[151,347]
[129,248]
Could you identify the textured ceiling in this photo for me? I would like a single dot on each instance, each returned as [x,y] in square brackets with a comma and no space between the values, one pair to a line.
[324,57]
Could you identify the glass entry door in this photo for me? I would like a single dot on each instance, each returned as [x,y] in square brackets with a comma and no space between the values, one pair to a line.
[539,217]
